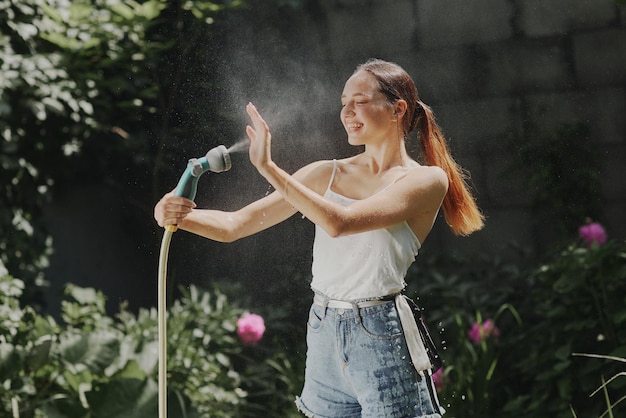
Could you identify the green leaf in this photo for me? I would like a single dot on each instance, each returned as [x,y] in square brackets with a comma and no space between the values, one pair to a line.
[39,355]
[132,371]
[80,11]
[152,8]
[563,352]
[63,407]
[619,317]
[77,378]
[95,350]
[124,398]
[11,361]
[51,12]
[61,40]
[123,10]
[83,295]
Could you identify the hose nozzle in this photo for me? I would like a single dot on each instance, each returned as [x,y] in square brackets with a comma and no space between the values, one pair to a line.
[216,160]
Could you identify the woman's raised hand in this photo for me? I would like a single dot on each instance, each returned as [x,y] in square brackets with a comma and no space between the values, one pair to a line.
[172,210]
[260,139]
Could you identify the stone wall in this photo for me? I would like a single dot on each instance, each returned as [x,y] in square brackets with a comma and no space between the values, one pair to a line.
[479,64]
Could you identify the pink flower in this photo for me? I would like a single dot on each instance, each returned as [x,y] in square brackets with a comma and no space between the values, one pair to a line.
[438,380]
[250,328]
[592,232]
[484,331]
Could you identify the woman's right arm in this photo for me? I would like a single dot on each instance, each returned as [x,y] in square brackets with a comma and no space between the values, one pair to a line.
[230,226]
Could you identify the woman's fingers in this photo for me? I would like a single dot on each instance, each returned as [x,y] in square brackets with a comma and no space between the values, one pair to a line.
[261,128]
[172,210]
[251,132]
[260,138]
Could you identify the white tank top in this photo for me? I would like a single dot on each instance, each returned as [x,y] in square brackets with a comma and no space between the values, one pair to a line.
[365,265]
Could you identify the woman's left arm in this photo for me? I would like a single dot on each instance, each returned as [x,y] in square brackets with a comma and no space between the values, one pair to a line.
[418,194]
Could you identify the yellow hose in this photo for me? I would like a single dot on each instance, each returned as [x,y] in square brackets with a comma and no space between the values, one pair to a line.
[162,318]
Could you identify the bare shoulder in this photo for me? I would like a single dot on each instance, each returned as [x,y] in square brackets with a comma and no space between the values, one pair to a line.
[315,175]
[428,174]
[430,177]
[436,174]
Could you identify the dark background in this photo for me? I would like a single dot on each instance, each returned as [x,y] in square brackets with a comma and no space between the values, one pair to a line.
[529,93]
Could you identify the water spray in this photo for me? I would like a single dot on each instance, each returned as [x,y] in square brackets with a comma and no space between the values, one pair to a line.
[216,160]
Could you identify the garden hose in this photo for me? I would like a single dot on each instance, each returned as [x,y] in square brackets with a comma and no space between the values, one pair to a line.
[162,320]
[216,160]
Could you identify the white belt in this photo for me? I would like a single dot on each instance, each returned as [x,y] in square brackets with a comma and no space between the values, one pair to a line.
[414,342]
[342,304]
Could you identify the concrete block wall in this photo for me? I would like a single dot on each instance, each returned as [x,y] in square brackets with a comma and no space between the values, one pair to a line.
[479,64]
[541,18]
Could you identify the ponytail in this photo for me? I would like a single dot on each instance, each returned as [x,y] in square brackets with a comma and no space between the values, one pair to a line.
[459,206]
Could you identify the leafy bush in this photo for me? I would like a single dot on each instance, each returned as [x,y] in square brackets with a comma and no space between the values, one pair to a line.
[610,403]
[457,293]
[574,302]
[97,366]
[273,371]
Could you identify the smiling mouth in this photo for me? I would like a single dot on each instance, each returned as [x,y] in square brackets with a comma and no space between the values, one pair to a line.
[354,125]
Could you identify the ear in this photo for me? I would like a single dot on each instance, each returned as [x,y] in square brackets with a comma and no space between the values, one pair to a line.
[399,108]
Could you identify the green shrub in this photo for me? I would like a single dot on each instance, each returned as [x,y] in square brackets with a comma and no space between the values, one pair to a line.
[94,365]
[457,293]
[611,404]
[574,302]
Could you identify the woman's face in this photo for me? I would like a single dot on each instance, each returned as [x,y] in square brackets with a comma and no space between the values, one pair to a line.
[366,114]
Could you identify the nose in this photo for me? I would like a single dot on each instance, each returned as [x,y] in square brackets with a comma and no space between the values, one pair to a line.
[347,110]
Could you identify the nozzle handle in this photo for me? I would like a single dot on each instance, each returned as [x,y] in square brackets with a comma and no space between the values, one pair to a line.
[188,183]
[216,160]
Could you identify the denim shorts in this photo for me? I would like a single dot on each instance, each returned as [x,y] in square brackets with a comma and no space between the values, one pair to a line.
[358,365]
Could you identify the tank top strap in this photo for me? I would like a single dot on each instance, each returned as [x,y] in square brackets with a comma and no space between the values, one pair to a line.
[332,175]
[391,184]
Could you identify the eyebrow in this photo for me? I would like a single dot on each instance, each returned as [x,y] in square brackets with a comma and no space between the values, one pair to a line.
[360,94]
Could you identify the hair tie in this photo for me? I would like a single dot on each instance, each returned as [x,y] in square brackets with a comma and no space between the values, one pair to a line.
[416,114]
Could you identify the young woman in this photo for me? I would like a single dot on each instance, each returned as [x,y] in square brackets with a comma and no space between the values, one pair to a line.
[372,213]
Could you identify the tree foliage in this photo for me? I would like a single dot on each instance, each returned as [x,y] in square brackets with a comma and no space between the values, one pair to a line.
[92,90]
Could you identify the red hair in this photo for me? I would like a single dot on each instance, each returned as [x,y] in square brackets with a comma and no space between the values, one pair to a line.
[459,206]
